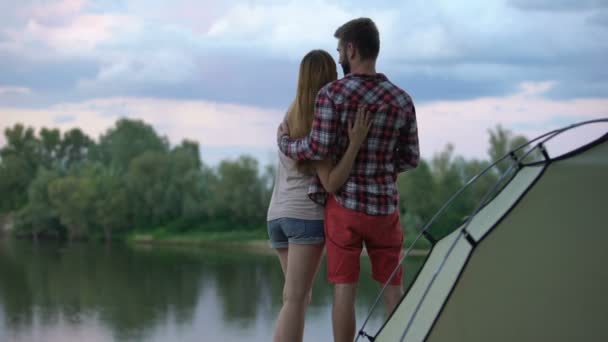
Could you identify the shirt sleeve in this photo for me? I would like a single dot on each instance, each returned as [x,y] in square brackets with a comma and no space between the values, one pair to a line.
[407,152]
[316,145]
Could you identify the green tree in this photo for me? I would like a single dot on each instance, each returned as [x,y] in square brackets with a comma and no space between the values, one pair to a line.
[73,197]
[111,204]
[195,197]
[20,141]
[477,191]
[192,180]
[192,152]
[39,216]
[168,187]
[239,195]
[417,202]
[148,182]
[50,147]
[126,141]
[20,161]
[267,179]
[186,192]
[15,177]
[448,181]
[502,141]
[74,148]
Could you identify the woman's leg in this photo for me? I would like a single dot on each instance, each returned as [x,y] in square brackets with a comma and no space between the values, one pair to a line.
[282,253]
[302,264]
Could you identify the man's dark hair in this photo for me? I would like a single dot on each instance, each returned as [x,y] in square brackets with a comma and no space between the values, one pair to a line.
[363,34]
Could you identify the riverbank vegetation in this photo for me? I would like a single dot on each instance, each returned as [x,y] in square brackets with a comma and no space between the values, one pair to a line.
[133,184]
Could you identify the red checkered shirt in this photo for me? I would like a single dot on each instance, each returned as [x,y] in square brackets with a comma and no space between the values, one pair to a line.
[391,145]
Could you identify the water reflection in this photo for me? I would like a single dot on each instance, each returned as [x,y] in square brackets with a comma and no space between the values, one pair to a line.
[53,292]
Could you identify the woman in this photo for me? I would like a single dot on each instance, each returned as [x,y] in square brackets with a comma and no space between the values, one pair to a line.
[295,223]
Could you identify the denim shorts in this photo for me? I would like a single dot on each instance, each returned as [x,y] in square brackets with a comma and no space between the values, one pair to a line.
[283,231]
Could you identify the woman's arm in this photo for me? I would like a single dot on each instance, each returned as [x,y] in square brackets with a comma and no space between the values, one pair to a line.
[333,177]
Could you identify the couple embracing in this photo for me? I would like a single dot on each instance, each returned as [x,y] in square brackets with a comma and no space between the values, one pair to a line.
[342,144]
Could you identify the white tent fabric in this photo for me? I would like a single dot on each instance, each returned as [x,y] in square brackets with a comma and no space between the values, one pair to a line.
[531,265]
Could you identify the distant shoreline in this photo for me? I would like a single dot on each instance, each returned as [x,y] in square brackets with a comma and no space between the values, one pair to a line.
[258,245]
[250,241]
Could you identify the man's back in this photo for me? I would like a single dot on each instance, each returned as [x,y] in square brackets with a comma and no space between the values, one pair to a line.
[391,146]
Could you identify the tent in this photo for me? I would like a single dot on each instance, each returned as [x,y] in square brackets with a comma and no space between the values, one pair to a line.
[530,264]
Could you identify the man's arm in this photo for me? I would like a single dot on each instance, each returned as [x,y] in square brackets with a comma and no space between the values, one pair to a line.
[407,152]
[316,145]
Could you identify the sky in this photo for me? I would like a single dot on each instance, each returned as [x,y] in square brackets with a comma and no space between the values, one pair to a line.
[223,72]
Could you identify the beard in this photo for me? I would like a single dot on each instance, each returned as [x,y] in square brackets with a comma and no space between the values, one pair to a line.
[345,67]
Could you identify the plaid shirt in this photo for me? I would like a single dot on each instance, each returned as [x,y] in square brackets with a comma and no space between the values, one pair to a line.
[391,146]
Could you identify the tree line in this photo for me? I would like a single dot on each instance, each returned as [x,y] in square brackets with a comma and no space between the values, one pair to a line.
[69,186]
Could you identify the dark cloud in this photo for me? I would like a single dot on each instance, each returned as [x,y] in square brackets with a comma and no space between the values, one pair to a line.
[558,5]
[575,75]
[492,63]
[272,84]
[426,88]
[600,18]
[221,78]
[573,89]
[54,76]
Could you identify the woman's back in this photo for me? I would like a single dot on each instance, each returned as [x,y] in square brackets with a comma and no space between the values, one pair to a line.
[290,193]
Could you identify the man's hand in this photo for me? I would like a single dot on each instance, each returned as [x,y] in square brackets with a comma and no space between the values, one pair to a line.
[282,130]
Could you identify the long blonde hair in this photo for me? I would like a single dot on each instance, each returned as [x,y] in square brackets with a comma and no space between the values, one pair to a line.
[316,70]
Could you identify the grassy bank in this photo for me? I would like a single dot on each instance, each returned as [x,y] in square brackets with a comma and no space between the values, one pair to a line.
[196,236]
[255,238]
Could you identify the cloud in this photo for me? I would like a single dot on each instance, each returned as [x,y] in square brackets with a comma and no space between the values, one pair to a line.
[558,5]
[169,55]
[599,18]
[437,33]
[223,78]
[219,126]
[55,11]
[527,112]
[248,51]
[290,29]
[162,66]
[210,123]
[188,15]
[11,90]
[226,130]
[62,29]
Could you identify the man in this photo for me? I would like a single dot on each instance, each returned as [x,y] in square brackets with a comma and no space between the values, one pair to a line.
[365,208]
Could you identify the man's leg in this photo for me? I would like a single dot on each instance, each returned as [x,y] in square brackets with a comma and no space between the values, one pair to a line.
[391,296]
[384,241]
[343,312]
[343,246]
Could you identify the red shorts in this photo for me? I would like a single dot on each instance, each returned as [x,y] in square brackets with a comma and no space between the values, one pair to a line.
[345,232]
